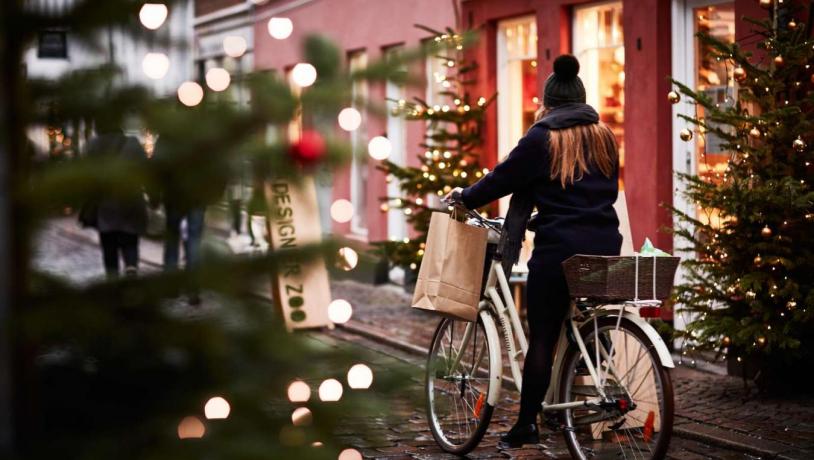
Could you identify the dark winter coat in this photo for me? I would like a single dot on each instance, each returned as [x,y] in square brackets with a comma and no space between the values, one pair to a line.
[577,219]
[127,211]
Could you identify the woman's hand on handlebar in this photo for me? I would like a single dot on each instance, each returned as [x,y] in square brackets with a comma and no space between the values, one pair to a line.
[454,196]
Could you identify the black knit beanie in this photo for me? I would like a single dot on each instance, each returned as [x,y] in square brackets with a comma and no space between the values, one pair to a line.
[563,86]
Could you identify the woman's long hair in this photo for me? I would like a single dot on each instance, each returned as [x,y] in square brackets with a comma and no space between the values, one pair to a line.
[573,150]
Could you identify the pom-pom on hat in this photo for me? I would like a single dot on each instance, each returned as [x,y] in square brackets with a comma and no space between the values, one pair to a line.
[563,86]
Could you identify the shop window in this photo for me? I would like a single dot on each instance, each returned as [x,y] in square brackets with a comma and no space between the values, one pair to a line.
[357,60]
[599,45]
[518,94]
[713,78]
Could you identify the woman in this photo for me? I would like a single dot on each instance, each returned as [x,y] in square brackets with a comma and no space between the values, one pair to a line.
[120,214]
[567,166]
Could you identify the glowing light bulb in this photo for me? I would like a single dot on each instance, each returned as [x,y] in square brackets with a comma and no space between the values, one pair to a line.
[217,79]
[234,46]
[360,377]
[299,391]
[280,28]
[155,65]
[190,93]
[379,148]
[349,119]
[152,15]
[191,428]
[342,210]
[348,258]
[349,454]
[304,74]
[301,416]
[340,311]
[217,408]
[330,390]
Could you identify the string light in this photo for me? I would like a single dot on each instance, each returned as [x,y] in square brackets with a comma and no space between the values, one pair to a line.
[153,15]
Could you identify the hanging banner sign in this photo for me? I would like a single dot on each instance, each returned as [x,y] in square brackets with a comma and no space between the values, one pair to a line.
[300,289]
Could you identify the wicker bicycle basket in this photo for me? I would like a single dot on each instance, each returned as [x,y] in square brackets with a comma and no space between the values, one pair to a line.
[615,277]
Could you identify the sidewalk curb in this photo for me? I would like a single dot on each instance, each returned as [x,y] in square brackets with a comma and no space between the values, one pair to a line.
[700,432]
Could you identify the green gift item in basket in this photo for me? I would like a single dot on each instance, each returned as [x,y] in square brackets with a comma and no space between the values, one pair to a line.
[620,278]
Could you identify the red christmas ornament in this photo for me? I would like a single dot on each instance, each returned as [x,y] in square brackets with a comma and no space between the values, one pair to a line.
[309,149]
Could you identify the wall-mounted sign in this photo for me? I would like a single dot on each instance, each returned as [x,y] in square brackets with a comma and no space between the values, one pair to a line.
[52,44]
[300,289]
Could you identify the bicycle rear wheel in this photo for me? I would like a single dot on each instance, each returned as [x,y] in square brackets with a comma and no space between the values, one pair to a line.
[636,420]
[457,384]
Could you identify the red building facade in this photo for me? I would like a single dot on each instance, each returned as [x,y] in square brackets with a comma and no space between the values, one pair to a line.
[627,48]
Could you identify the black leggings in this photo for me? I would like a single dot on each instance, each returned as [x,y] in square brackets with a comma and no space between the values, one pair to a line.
[114,243]
[548,302]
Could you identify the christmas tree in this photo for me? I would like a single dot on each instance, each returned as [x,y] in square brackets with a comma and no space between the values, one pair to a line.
[449,153]
[116,367]
[749,282]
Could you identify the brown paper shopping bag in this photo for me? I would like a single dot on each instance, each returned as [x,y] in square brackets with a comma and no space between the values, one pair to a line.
[451,273]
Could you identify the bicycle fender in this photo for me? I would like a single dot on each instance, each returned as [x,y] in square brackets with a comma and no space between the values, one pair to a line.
[495,358]
[658,342]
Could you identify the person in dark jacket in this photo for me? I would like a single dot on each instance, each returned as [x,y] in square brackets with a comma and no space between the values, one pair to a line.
[567,163]
[120,219]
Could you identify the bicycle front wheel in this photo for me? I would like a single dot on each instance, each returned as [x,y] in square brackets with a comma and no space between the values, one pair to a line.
[636,418]
[459,369]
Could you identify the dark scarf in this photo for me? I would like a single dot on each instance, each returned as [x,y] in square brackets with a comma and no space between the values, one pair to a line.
[514,228]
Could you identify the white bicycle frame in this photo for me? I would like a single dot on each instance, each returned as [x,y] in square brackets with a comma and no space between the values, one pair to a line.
[499,304]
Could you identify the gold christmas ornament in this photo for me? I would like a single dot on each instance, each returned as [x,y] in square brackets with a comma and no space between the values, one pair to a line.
[799,144]
[758,260]
[779,61]
[384,207]
[754,132]
[792,24]
[766,4]
[673,97]
[766,232]
[726,341]
[761,341]
[791,304]
[685,134]
[739,74]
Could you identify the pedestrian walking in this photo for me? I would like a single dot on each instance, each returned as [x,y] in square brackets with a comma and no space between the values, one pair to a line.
[185,201]
[119,215]
[567,166]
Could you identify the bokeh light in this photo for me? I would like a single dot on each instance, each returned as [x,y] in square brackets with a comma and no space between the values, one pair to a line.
[360,377]
[379,148]
[330,390]
[350,454]
[347,259]
[191,428]
[190,93]
[152,15]
[217,408]
[349,119]
[234,46]
[217,79]
[280,28]
[155,65]
[342,210]
[301,416]
[299,391]
[304,74]
[340,311]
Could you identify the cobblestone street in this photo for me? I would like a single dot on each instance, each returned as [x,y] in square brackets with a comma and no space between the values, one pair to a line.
[715,418]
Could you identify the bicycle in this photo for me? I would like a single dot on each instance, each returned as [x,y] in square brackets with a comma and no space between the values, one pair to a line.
[610,392]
